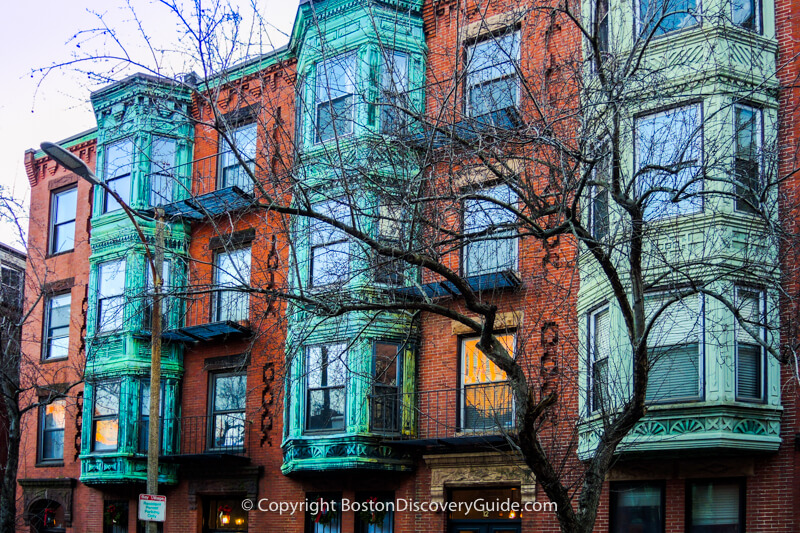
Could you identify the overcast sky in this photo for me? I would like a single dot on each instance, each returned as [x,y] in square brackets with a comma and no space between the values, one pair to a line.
[38,33]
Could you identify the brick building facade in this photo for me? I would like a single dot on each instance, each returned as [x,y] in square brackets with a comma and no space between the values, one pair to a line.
[275,399]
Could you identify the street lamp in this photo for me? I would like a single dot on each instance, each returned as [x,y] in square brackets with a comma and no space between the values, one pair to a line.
[156,261]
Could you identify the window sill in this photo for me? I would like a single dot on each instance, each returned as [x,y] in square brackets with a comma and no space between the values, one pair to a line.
[49,463]
[57,254]
[54,360]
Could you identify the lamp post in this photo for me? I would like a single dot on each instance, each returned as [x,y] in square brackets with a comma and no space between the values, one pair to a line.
[156,262]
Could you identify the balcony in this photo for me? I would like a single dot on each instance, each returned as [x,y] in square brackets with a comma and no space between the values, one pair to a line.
[210,205]
[474,415]
[505,279]
[499,123]
[222,437]
[212,316]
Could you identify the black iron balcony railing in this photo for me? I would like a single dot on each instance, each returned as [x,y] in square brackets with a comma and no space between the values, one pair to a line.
[213,315]
[221,435]
[469,411]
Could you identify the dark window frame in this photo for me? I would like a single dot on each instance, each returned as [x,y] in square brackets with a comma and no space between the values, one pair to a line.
[53,245]
[516,33]
[394,121]
[113,416]
[740,481]
[234,165]
[47,334]
[123,177]
[158,172]
[326,388]
[471,246]
[44,431]
[763,314]
[232,304]
[352,57]
[461,415]
[337,238]
[746,200]
[594,361]
[143,419]
[102,300]
[616,487]
[213,412]
[386,398]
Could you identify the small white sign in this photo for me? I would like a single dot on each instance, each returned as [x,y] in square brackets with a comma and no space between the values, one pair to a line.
[152,507]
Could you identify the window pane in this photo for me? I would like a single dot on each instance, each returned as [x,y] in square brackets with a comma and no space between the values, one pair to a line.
[715,507]
[106,401]
[119,162]
[229,430]
[66,204]
[671,139]
[326,408]
[230,393]
[233,270]
[111,297]
[54,415]
[58,319]
[63,220]
[327,365]
[491,74]
[668,15]
[496,250]
[674,374]
[105,434]
[636,508]
[112,278]
[386,362]
[244,139]
[747,122]
[394,86]
[486,395]
[53,445]
[162,170]
[745,14]
[335,87]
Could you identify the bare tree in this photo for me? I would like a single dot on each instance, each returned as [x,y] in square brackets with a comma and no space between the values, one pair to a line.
[555,150]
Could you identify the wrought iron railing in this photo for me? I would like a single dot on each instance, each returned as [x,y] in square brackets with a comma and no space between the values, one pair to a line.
[218,434]
[479,409]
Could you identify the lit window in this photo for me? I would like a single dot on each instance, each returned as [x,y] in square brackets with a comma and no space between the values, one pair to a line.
[232,172]
[386,387]
[162,170]
[335,97]
[232,279]
[669,147]
[492,79]
[394,89]
[229,397]
[57,317]
[144,415]
[326,368]
[747,14]
[491,243]
[486,395]
[675,349]
[119,165]
[747,124]
[751,304]
[111,295]
[666,15]
[62,220]
[716,506]
[105,420]
[330,248]
[599,352]
[636,507]
[51,427]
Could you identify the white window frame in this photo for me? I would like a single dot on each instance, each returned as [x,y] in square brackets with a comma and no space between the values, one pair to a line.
[327,92]
[104,299]
[118,176]
[483,208]
[50,338]
[232,268]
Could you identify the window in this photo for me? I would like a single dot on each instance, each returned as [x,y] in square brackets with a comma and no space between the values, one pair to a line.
[165,302]
[486,395]
[232,269]
[492,80]
[225,515]
[330,248]
[394,89]
[326,369]
[637,507]
[119,164]
[716,506]
[63,206]
[747,124]
[381,520]
[228,402]
[56,324]
[665,16]
[599,352]
[386,387]
[750,373]
[602,16]
[105,419]
[162,170]
[11,287]
[675,343]
[111,295]
[324,514]
[232,172]
[335,97]
[598,195]
[51,427]
[670,140]
[747,14]
[115,516]
[144,415]
[491,243]
[390,233]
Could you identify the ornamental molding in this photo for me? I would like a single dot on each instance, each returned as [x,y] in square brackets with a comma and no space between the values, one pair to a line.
[231,481]
[479,469]
[58,490]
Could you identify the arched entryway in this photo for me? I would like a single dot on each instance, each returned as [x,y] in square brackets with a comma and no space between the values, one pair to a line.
[46,516]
